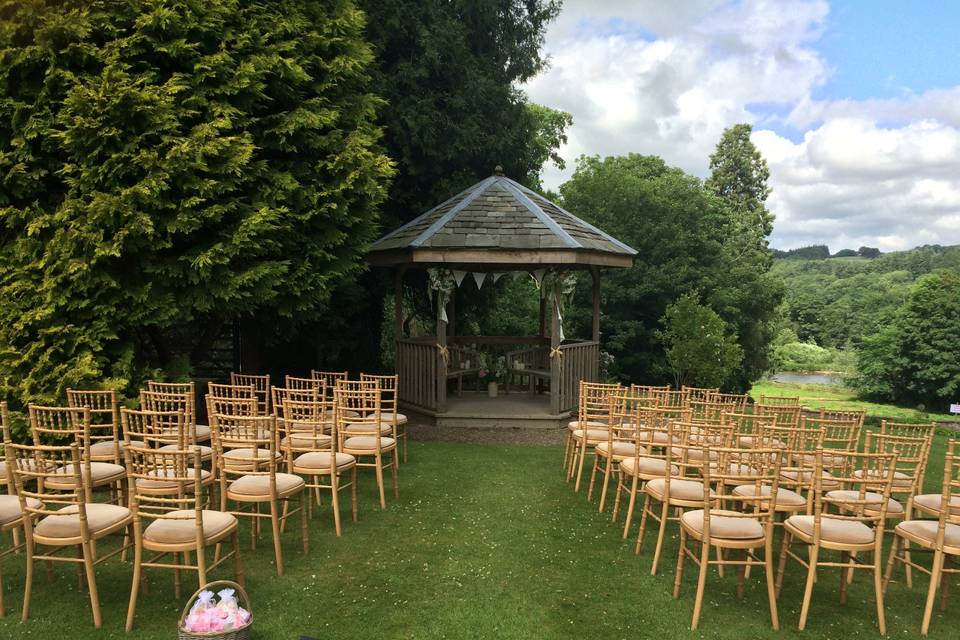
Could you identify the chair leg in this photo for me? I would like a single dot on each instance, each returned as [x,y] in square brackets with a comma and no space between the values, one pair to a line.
[353,491]
[177,584]
[593,475]
[630,506]
[28,583]
[701,584]
[891,560]
[681,557]
[845,558]
[275,526]
[644,509]
[808,590]
[607,470]
[237,564]
[771,590]
[201,566]
[664,513]
[135,584]
[782,563]
[379,470]
[908,570]
[582,459]
[878,590]
[932,591]
[304,527]
[335,499]
[91,583]
[393,475]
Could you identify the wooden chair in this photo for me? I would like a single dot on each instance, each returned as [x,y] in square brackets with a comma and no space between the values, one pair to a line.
[329,378]
[675,491]
[739,400]
[309,449]
[746,530]
[786,415]
[361,435]
[654,429]
[843,415]
[170,519]
[839,437]
[313,393]
[940,537]
[11,515]
[590,428]
[748,426]
[783,401]
[56,425]
[699,394]
[182,394]
[673,399]
[261,388]
[795,477]
[857,528]
[300,384]
[388,407]
[922,430]
[106,445]
[621,440]
[173,403]
[246,456]
[163,431]
[647,392]
[709,411]
[54,475]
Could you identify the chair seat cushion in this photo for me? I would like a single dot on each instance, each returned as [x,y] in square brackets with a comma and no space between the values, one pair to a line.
[723,525]
[698,454]
[181,527]
[101,472]
[933,502]
[103,450]
[66,522]
[747,442]
[901,481]
[593,435]
[787,500]
[685,490]
[203,433]
[368,443]
[573,425]
[259,485]
[733,469]
[805,476]
[389,417]
[647,467]
[306,440]
[161,485]
[831,530]
[925,532]
[656,437]
[829,459]
[10,508]
[620,448]
[239,456]
[368,428]
[843,499]
[205,452]
[320,461]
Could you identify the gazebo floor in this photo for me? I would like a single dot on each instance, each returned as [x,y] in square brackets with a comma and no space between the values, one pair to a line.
[473,410]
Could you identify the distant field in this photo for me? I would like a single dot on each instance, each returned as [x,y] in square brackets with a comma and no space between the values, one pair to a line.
[840,397]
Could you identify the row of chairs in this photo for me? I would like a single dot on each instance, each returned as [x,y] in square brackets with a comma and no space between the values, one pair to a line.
[262,455]
[728,480]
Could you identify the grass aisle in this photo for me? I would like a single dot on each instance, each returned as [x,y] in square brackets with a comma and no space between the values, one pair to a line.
[485,542]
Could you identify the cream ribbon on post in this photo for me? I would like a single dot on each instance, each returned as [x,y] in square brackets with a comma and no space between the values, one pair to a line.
[445,354]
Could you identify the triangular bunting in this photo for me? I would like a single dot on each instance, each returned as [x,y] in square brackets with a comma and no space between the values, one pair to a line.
[458,276]
[479,277]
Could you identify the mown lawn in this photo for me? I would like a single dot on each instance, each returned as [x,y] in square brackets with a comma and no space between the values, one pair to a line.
[841,397]
[485,542]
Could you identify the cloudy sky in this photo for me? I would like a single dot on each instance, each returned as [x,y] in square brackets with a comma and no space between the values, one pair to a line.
[855,104]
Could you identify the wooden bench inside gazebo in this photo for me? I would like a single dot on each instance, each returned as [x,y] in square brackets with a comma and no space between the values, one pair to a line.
[493,227]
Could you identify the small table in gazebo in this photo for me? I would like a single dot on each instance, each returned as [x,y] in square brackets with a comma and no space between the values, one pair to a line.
[497,225]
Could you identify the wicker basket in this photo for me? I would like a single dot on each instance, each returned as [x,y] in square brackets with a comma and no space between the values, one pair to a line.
[242,633]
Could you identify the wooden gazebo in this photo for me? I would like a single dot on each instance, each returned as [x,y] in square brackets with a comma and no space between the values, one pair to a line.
[497,225]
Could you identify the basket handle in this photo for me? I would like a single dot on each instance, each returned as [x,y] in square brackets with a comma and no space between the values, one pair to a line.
[244,599]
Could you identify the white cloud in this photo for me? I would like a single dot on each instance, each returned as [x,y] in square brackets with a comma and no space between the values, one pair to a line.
[661,79]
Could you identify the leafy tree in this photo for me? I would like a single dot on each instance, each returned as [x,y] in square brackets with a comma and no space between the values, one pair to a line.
[169,165]
[678,229]
[698,345]
[869,252]
[845,253]
[739,174]
[917,358]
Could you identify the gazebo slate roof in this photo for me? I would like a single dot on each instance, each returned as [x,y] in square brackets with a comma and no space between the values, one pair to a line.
[496,223]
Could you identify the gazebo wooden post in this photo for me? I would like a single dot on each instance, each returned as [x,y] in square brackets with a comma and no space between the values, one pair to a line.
[595,274]
[441,381]
[398,303]
[555,361]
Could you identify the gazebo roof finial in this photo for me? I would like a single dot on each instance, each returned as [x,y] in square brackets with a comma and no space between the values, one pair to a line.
[498,170]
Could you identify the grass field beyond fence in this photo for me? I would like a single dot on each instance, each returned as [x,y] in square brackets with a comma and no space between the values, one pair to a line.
[485,542]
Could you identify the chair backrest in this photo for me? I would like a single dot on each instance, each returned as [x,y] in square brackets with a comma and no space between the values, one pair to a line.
[247,433]
[709,411]
[800,446]
[748,424]
[699,394]
[188,390]
[842,435]
[787,415]
[232,391]
[163,481]
[172,402]
[329,378]
[6,436]
[734,467]
[104,416]
[594,401]
[155,429]
[663,440]
[912,454]
[843,414]
[714,434]
[739,400]
[357,404]
[293,382]
[867,479]
[306,428]
[783,401]
[388,393]
[647,391]
[232,406]
[280,394]
[908,429]
[670,398]
[950,491]
[261,387]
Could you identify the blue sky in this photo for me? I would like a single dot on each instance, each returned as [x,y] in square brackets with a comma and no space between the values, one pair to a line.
[855,105]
